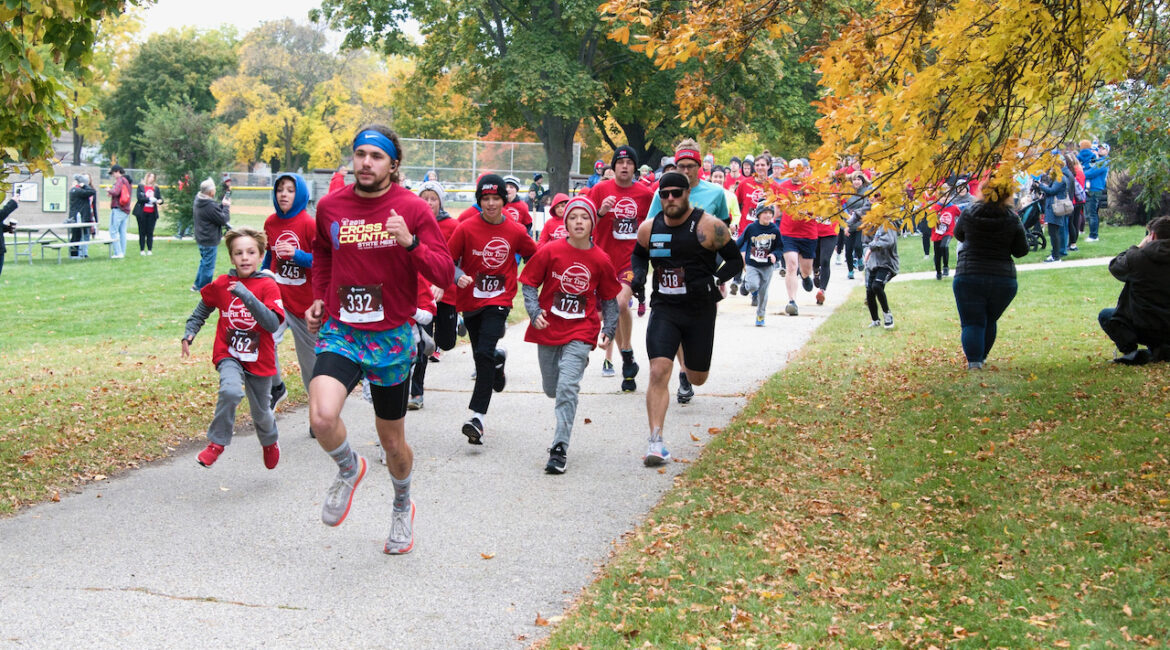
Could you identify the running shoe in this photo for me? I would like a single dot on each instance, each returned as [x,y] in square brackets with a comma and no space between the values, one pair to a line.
[629,371]
[641,309]
[851,275]
[1093,239]
[473,429]
[946,272]
[938,275]
[820,296]
[208,456]
[656,454]
[759,321]
[415,403]
[401,539]
[366,394]
[340,495]
[271,455]
[1136,358]
[734,289]
[462,328]
[557,457]
[783,271]
[279,394]
[755,300]
[1051,259]
[807,283]
[1073,247]
[437,356]
[606,368]
[686,392]
[888,321]
[791,309]
[501,380]
[876,323]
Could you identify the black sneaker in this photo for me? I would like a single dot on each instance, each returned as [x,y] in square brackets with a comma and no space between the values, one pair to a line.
[311,434]
[473,429]
[629,371]
[279,394]
[807,283]
[556,459]
[755,300]
[685,391]
[461,330]
[501,380]
[1136,358]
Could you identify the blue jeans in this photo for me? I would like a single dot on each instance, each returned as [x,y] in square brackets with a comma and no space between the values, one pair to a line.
[1058,240]
[1091,207]
[981,300]
[206,272]
[118,221]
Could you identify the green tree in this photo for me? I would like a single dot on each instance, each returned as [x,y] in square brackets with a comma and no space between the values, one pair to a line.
[175,66]
[185,146]
[1133,118]
[39,99]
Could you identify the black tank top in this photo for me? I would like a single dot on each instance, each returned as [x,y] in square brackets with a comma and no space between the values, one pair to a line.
[684,271]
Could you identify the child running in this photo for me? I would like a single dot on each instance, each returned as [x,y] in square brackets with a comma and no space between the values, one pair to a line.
[881,265]
[760,242]
[250,311]
[576,280]
[554,226]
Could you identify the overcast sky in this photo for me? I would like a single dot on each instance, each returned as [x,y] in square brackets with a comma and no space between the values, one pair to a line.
[208,14]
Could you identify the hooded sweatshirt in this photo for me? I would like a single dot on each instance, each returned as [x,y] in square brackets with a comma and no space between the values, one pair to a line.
[297,227]
[1145,300]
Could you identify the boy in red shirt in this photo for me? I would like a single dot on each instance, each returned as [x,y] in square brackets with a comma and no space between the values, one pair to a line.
[799,232]
[576,281]
[554,226]
[514,208]
[622,206]
[290,232]
[484,249]
[250,310]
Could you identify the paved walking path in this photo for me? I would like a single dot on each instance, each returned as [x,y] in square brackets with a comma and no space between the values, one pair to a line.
[176,555]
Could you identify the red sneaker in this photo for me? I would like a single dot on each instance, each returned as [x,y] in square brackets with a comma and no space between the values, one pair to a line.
[208,456]
[641,309]
[820,297]
[271,455]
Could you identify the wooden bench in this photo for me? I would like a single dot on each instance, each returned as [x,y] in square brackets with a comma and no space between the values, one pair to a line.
[58,246]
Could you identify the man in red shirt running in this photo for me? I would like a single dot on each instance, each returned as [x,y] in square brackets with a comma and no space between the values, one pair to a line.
[374,238]
[622,206]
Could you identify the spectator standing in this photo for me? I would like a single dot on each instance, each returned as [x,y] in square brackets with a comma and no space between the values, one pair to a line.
[146,213]
[1142,314]
[1096,166]
[82,209]
[211,219]
[535,192]
[1055,186]
[119,194]
[6,209]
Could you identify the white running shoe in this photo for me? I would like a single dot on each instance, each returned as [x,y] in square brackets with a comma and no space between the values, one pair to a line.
[401,539]
[656,454]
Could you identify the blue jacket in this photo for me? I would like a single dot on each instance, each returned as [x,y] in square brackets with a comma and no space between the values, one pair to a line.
[302,259]
[1058,190]
[1096,174]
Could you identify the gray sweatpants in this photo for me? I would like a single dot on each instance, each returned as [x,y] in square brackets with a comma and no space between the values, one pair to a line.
[306,346]
[757,279]
[233,384]
[561,368]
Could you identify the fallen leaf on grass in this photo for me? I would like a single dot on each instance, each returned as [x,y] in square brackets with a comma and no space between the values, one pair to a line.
[714,430]
[99,477]
[487,556]
[1126,609]
[541,621]
[56,496]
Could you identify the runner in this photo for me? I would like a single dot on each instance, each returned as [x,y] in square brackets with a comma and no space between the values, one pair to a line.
[446,318]
[554,227]
[374,238]
[514,208]
[761,243]
[566,284]
[243,352]
[709,198]
[484,250]
[622,207]
[682,241]
[290,231]
[800,238]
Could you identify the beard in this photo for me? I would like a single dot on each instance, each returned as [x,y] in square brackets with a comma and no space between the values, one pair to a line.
[676,211]
[380,183]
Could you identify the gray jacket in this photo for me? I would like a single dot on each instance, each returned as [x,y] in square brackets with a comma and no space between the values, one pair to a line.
[211,219]
[883,251]
[857,206]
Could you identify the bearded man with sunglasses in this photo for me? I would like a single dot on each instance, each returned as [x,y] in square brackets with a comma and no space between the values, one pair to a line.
[681,242]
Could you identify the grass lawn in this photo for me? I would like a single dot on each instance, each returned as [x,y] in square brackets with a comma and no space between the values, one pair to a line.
[877,494]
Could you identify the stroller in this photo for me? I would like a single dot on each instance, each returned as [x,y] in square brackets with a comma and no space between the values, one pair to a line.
[1032,215]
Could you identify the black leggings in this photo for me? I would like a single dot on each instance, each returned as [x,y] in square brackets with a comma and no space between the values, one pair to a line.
[146,222]
[853,247]
[875,291]
[942,254]
[445,324]
[841,237]
[418,374]
[485,328]
[823,262]
[924,228]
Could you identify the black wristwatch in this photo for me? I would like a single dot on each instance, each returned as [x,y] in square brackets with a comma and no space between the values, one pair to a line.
[413,245]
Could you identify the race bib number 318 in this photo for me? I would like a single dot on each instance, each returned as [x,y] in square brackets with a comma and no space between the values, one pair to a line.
[671,281]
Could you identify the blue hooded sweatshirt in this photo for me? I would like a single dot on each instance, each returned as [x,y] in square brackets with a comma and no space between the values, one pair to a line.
[1096,170]
[303,259]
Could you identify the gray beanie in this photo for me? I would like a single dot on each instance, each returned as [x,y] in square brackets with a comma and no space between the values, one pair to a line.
[436,187]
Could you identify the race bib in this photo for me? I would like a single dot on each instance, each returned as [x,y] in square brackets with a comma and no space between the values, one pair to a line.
[361,303]
[488,285]
[244,344]
[625,228]
[759,254]
[570,306]
[289,273]
[671,281]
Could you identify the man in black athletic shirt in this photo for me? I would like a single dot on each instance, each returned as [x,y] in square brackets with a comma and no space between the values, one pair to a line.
[681,243]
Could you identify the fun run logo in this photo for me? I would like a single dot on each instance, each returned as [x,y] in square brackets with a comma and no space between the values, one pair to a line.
[625,208]
[362,234]
[494,253]
[288,237]
[238,316]
[512,214]
[758,195]
[574,280]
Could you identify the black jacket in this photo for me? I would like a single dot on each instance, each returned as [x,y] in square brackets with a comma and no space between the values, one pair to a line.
[991,236]
[141,201]
[1145,300]
[83,203]
[5,210]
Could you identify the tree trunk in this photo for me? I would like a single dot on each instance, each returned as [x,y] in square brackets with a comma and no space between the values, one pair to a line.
[636,137]
[557,135]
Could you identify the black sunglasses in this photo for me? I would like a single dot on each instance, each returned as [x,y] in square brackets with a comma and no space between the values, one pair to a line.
[671,193]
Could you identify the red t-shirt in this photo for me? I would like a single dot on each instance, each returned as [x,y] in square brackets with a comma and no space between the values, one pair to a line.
[296,285]
[471,211]
[749,194]
[237,335]
[358,265]
[617,230]
[947,218]
[554,229]
[487,252]
[572,284]
[518,211]
[798,228]
[426,299]
[447,227]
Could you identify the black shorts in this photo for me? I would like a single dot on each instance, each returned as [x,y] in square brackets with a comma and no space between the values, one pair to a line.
[692,327]
[389,401]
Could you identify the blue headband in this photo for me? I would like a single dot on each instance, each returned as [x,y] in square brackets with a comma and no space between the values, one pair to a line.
[378,140]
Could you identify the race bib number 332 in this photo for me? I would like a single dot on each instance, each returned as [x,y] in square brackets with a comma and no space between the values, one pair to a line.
[360,303]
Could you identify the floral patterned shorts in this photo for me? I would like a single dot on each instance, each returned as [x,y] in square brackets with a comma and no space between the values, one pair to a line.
[385,356]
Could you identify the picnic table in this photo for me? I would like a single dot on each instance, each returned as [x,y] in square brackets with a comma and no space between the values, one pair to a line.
[52,236]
